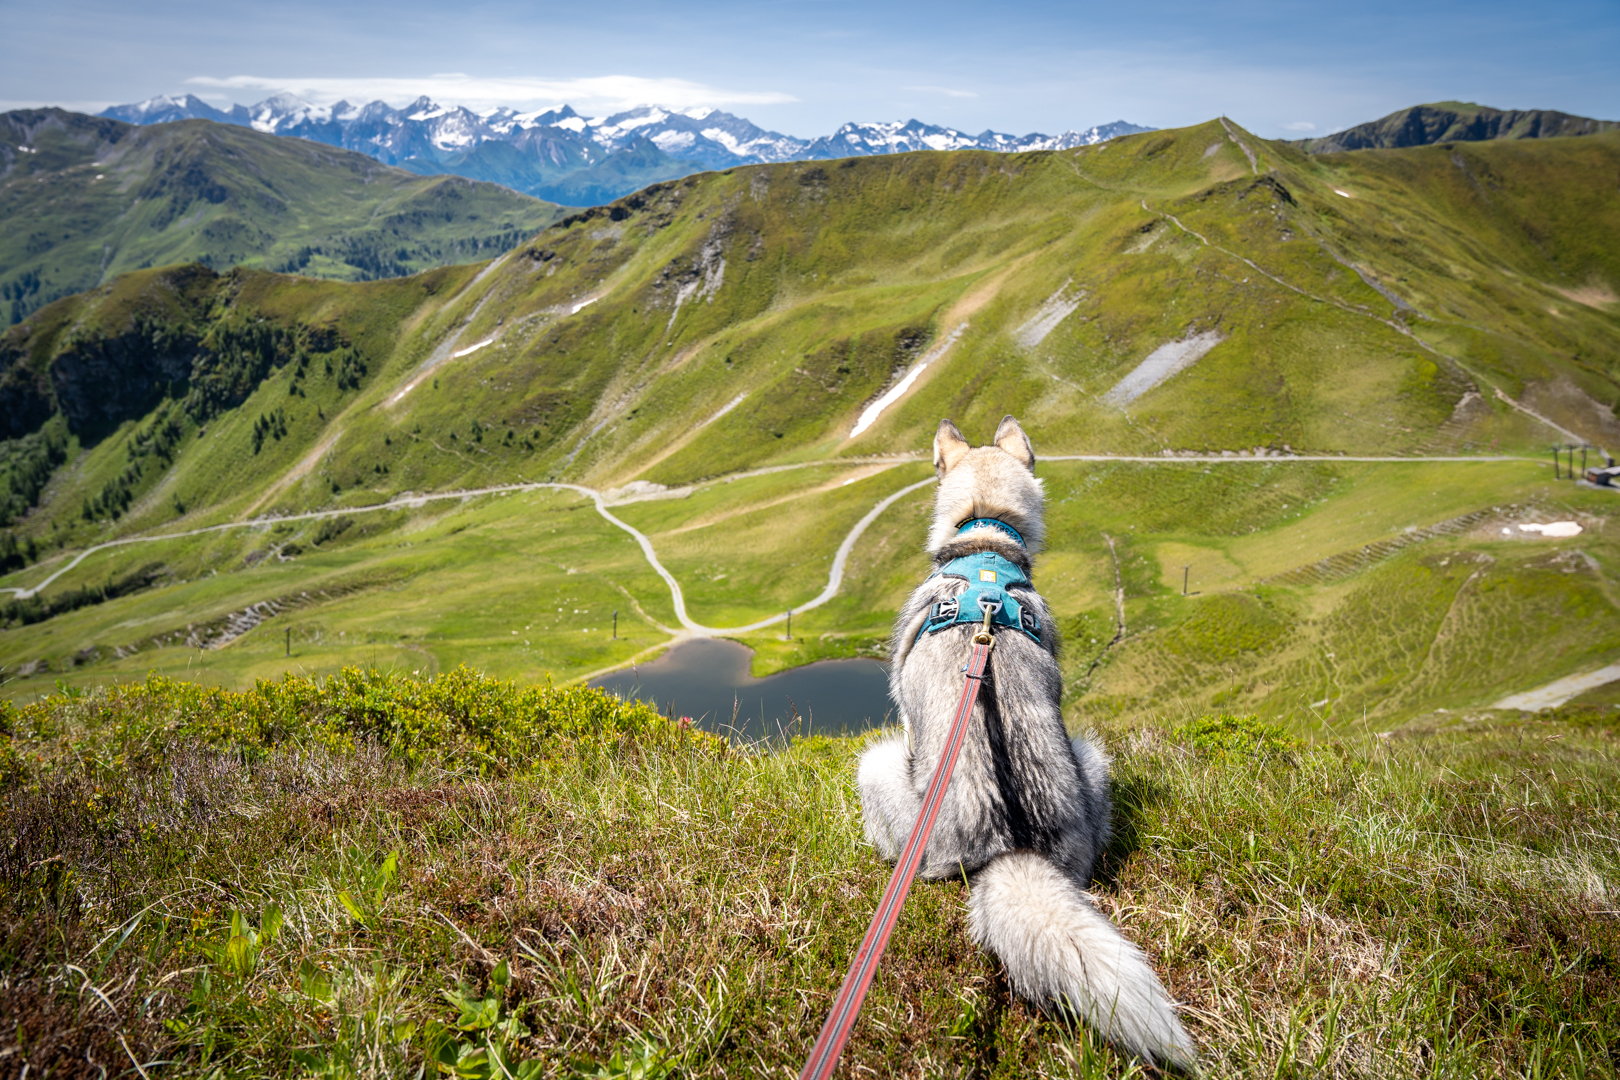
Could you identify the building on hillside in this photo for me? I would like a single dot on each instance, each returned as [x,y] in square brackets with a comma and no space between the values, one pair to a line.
[1604,476]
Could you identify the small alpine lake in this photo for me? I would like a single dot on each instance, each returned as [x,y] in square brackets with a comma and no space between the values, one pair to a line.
[707,679]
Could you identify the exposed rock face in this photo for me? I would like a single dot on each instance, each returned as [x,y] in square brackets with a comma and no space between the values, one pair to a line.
[101,381]
[25,392]
[99,371]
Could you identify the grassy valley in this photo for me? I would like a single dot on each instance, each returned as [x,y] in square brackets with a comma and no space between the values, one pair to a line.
[84,199]
[1424,302]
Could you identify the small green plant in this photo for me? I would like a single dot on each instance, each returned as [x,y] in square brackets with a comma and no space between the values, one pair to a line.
[364,910]
[641,1059]
[331,528]
[1226,735]
[478,1044]
[239,953]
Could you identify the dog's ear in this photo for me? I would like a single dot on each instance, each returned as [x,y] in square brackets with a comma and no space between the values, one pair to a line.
[1011,438]
[949,446]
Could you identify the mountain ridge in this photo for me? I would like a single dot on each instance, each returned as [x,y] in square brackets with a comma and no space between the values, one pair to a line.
[84,198]
[720,268]
[555,146]
[1454,121]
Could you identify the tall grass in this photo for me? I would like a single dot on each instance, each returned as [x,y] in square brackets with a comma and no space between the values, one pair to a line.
[655,903]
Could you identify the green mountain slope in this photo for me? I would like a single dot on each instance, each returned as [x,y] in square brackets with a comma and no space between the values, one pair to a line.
[1455,121]
[1425,301]
[83,199]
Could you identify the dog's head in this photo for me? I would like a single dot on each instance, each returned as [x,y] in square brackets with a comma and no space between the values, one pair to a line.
[995,481]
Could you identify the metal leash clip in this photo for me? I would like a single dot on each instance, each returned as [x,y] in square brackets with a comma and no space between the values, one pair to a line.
[983,637]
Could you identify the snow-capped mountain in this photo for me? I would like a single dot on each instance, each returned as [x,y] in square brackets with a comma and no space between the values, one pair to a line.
[859,140]
[559,154]
[163,109]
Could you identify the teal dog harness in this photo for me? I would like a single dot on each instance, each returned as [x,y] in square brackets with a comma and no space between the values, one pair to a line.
[989,576]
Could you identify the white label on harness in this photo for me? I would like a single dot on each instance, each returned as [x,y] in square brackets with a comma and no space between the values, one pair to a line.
[987,575]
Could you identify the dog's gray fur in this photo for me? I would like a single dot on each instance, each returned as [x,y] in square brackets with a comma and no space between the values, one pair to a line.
[1027,811]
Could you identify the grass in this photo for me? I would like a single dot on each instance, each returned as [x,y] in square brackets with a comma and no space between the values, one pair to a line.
[835,279]
[1452,622]
[425,591]
[249,896]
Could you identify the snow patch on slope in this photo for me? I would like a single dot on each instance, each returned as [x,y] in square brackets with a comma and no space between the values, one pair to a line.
[1058,307]
[1167,360]
[870,414]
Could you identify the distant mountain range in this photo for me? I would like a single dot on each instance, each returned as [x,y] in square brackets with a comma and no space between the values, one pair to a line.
[564,157]
[1454,121]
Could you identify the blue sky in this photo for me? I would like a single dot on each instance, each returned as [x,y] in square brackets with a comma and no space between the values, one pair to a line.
[805,66]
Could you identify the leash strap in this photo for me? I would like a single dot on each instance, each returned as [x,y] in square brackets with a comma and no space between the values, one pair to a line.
[835,1032]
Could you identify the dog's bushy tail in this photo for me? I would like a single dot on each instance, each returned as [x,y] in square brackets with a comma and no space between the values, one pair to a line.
[1058,948]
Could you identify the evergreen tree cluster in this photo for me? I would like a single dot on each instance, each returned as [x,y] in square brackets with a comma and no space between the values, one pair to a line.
[26,465]
[32,609]
[14,555]
[274,425]
[157,441]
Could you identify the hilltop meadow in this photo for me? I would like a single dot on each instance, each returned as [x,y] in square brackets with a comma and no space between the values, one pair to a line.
[301,580]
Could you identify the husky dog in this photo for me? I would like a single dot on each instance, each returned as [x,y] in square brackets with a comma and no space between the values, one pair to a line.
[1027,811]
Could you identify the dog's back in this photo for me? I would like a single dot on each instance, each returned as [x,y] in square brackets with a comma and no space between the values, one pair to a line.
[1027,811]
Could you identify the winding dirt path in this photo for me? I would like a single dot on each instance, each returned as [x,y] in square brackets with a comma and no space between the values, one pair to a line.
[692,628]
[1559,691]
[840,559]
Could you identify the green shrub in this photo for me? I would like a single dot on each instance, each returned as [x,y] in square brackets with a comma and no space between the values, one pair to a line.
[1225,735]
[461,719]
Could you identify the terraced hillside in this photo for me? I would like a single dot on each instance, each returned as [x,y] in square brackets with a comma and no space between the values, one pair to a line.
[83,199]
[743,365]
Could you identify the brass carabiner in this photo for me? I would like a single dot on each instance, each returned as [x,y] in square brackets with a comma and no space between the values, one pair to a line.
[983,636]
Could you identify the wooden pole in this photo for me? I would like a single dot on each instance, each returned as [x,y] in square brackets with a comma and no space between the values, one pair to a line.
[1557,465]
[1185,570]
[790,625]
[289,641]
[615,624]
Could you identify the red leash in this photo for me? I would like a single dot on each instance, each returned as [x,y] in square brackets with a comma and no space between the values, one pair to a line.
[835,1032]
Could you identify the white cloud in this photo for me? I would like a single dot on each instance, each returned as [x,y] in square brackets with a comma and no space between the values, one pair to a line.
[1299,125]
[947,91]
[604,93]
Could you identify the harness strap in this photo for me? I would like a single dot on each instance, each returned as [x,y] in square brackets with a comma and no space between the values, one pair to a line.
[847,1005]
[989,580]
